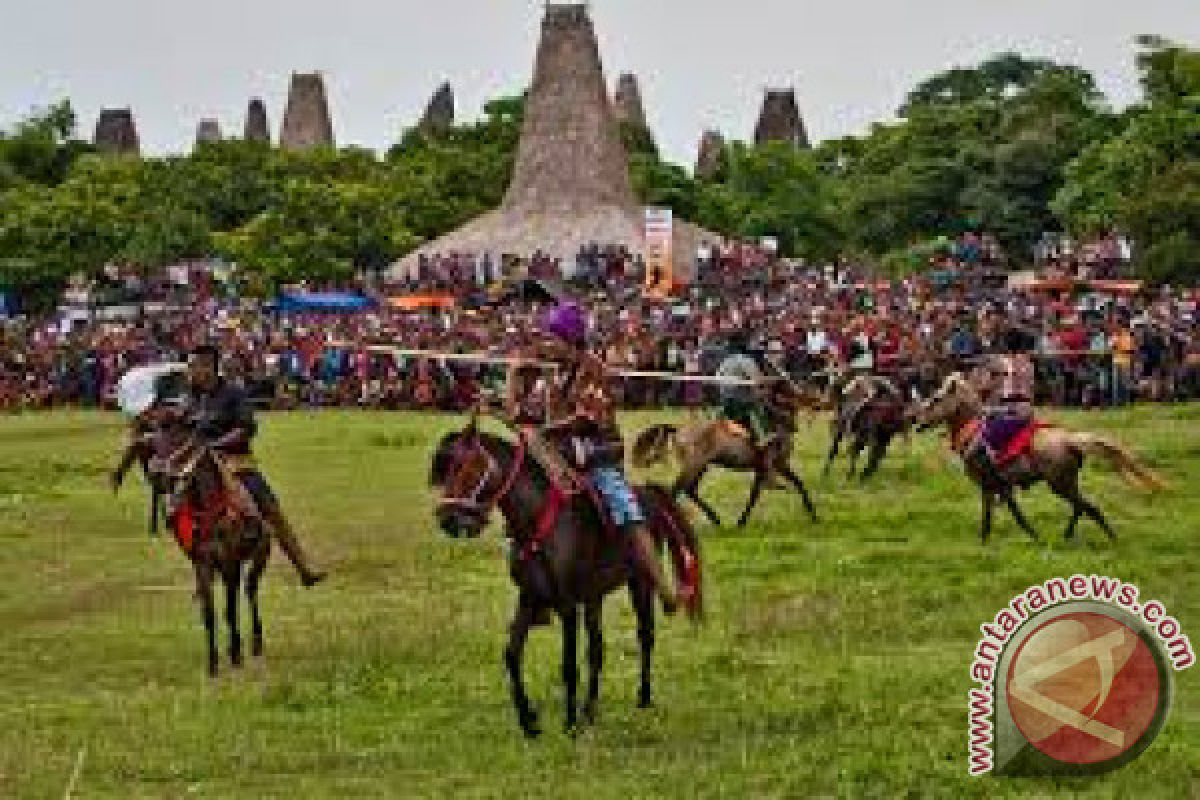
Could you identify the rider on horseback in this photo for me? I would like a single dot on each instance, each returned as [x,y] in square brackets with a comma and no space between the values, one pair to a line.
[743,403]
[1006,384]
[581,415]
[221,415]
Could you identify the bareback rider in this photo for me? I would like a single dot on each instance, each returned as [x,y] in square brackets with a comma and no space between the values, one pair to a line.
[1006,384]
[221,415]
[581,415]
[742,398]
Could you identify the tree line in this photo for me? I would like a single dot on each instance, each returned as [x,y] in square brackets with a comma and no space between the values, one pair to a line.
[1015,146]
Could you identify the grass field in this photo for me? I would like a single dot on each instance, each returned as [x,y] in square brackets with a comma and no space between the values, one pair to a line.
[833,662]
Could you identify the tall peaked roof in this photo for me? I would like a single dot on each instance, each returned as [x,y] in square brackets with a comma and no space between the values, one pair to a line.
[710,156]
[439,114]
[780,120]
[208,130]
[570,184]
[257,129]
[306,120]
[627,100]
[116,132]
[570,154]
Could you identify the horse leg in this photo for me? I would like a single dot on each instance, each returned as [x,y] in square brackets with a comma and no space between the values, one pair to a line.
[860,444]
[794,479]
[834,446]
[253,577]
[1011,501]
[232,576]
[204,593]
[570,661]
[643,608]
[1092,511]
[693,494]
[755,491]
[986,522]
[518,632]
[595,657]
[879,446]
[692,490]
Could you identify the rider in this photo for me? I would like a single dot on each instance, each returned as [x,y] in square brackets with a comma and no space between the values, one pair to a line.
[743,402]
[222,416]
[1007,391]
[580,412]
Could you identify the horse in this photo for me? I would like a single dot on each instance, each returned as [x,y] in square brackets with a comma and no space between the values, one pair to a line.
[214,522]
[1054,455]
[564,557]
[723,443]
[874,426]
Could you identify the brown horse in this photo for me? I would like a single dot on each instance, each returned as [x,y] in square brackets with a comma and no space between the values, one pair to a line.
[719,442]
[880,419]
[561,561]
[213,520]
[1055,456]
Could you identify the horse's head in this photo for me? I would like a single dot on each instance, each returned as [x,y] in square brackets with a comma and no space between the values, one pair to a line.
[467,468]
[954,400]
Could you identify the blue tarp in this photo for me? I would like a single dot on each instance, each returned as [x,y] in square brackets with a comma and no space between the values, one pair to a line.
[344,302]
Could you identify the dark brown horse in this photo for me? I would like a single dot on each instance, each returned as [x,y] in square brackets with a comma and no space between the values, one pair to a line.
[561,562]
[213,519]
[879,420]
[1055,456]
[721,443]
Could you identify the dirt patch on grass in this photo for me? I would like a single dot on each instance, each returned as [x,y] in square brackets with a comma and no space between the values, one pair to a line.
[792,612]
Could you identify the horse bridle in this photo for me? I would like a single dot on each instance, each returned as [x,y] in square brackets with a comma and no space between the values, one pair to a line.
[472,502]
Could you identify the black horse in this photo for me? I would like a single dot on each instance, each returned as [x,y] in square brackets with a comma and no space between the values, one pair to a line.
[564,555]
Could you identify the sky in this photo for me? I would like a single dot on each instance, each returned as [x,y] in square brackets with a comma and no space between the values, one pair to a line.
[701,63]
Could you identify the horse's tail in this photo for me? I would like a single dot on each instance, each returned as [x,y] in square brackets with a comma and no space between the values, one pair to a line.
[682,544]
[1132,470]
[652,445]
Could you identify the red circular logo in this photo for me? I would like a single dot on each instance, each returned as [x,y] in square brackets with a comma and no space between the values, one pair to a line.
[1083,688]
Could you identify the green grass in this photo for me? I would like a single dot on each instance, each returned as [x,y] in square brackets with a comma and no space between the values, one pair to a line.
[833,661]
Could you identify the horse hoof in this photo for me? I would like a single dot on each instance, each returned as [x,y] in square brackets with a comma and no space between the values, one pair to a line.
[588,713]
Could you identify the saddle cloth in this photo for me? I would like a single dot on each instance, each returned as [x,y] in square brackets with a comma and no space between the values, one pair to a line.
[1008,438]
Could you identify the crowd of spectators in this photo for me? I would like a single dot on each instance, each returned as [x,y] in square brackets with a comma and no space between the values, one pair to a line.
[815,321]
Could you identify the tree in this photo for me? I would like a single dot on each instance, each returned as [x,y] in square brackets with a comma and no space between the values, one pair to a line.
[1142,181]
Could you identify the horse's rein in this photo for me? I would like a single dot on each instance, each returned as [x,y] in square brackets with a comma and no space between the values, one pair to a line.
[472,500]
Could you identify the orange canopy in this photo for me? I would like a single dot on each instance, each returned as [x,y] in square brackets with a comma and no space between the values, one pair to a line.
[416,302]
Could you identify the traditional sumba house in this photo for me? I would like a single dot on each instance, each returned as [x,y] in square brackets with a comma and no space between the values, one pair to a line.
[780,119]
[306,120]
[570,184]
[710,157]
[116,132]
[627,101]
[439,114]
[257,129]
[209,130]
